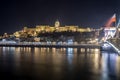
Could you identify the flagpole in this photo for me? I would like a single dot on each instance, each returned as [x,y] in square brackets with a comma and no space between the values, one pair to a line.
[115,20]
[117,25]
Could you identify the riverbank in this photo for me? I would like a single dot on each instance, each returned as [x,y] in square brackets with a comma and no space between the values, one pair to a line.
[51,45]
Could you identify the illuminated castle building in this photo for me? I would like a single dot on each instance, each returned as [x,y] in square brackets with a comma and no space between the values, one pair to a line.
[46,28]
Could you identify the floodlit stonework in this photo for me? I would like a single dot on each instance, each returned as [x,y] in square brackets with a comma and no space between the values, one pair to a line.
[46,28]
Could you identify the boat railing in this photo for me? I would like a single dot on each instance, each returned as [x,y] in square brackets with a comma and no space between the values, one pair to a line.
[114,46]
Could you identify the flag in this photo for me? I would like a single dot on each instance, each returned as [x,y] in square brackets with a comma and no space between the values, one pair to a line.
[111,21]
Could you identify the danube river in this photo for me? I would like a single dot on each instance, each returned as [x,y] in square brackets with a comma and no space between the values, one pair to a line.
[25,63]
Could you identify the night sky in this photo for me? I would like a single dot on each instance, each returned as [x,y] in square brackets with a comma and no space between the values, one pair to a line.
[15,14]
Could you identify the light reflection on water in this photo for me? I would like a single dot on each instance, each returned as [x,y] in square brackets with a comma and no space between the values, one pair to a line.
[59,63]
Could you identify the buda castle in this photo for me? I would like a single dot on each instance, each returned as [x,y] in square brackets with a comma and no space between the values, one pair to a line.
[49,29]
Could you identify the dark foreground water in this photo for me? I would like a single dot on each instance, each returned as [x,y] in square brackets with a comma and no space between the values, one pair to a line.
[58,64]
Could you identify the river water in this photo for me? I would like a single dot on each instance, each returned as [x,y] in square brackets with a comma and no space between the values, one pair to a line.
[20,63]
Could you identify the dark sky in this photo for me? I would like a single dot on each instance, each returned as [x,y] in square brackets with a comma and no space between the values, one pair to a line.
[15,14]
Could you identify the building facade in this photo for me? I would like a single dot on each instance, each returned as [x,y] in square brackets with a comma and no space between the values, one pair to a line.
[49,29]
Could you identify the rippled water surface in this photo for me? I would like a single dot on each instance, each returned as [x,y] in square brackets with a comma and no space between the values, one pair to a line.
[58,64]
